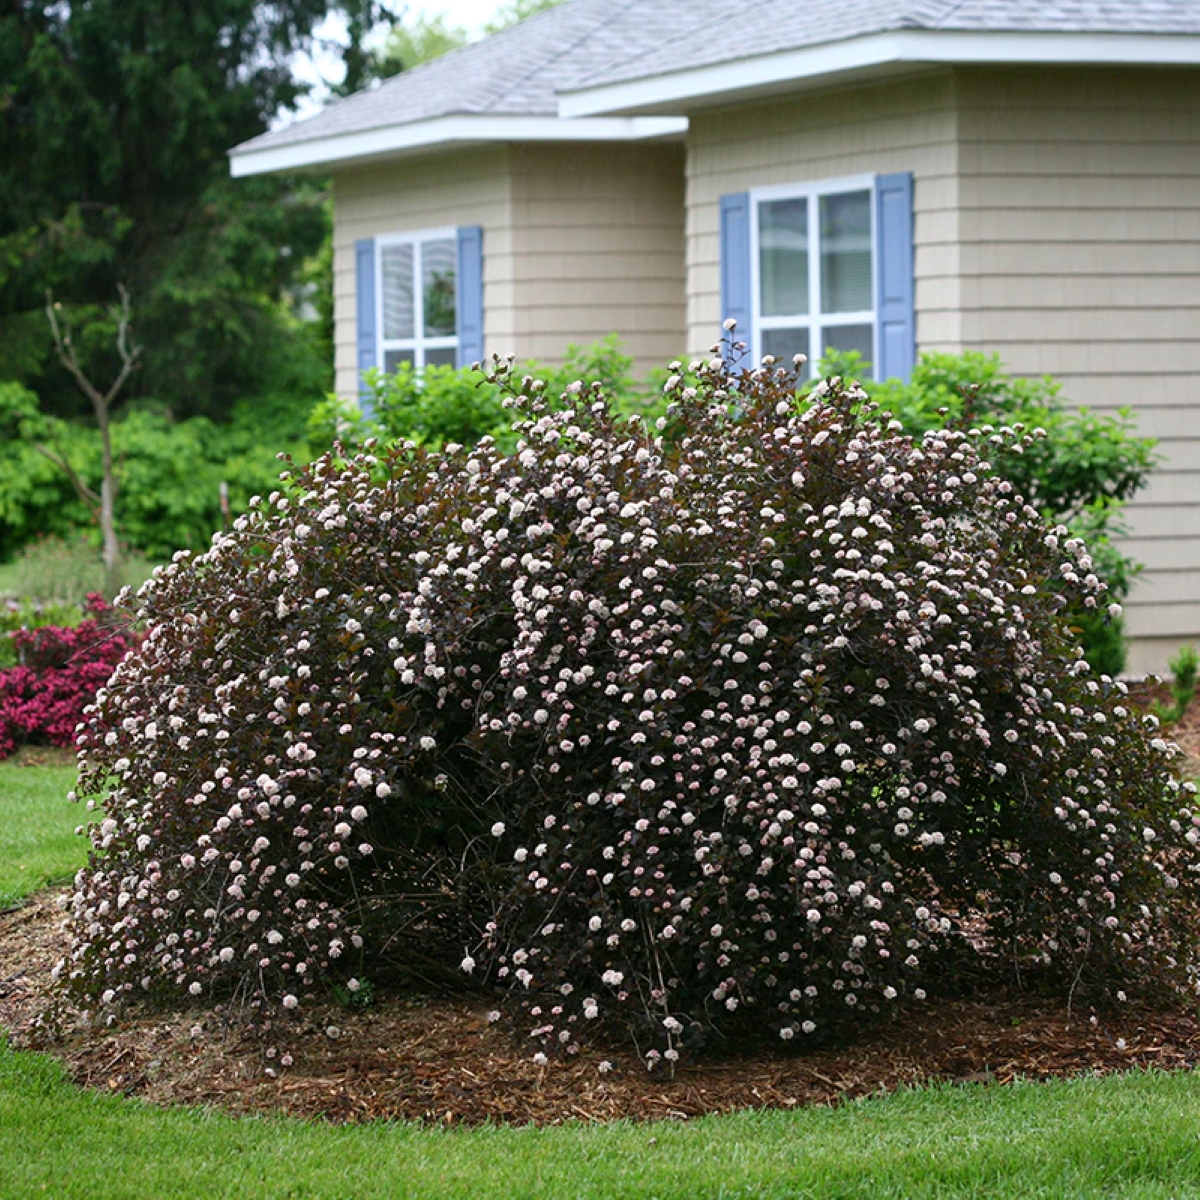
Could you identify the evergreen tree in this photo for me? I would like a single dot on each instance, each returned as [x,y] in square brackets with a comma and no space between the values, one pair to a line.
[117,119]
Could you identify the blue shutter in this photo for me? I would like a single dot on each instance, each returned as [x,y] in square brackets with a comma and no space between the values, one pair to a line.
[895,316]
[468,298]
[368,325]
[735,263]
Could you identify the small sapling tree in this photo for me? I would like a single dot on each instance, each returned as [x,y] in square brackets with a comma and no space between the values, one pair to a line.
[101,504]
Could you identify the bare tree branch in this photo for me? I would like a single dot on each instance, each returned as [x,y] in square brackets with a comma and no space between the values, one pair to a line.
[66,352]
[130,354]
[88,495]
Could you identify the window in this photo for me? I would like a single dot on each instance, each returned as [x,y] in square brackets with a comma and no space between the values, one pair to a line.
[813,270]
[419,299]
[416,280]
[817,266]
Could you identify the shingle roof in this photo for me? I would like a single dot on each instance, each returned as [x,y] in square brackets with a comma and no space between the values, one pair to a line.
[751,30]
[524,70]
[516,72]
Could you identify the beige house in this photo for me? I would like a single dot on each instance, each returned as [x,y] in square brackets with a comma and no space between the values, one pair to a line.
[888,175]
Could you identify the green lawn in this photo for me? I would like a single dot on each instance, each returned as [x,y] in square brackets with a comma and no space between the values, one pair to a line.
[38,845]
[70,573]
[1131,1136]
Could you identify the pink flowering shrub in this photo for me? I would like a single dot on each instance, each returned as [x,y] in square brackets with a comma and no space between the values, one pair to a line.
[772,719]
[58,673]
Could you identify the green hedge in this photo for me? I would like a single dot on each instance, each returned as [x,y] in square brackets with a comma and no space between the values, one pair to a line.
[170,472]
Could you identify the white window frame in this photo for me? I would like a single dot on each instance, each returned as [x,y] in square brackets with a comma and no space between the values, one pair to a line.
[815,320]
[419,344]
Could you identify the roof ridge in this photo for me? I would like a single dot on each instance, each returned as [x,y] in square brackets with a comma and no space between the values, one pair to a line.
[762,28]
[560,52]
[950,10]
[680,36]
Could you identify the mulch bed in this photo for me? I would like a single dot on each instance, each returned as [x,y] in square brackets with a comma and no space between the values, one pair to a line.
[440,1061]
[1185,733]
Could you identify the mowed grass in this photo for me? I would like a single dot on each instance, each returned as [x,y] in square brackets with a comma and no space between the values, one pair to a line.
[38,844]
[1131,1136]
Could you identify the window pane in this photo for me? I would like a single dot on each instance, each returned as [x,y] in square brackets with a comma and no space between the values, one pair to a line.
[846,253]
[783,257]
[396,263]
[851,337]
[784,343]
[393,358]
[441,358]
[438,261]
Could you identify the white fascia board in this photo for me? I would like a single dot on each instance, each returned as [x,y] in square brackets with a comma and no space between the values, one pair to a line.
[880,50]
[443,131]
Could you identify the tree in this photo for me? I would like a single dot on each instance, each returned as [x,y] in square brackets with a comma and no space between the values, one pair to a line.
[411,42]
[103,503]
[513,11]
[363,64]
[118,115]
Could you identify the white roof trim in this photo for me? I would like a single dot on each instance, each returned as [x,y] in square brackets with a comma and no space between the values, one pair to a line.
[898,48]
[394,139]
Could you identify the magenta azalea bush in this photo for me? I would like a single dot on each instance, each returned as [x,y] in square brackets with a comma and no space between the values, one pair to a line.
[765,721]
[58,671]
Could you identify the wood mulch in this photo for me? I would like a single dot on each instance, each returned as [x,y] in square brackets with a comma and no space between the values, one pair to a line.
[1185,732]
[441,1061]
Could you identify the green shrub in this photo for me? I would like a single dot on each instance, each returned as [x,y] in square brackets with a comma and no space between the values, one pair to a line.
[1184,667]
[602,363]
[172,472]
[36,497]
[439,405]
[762,728]
[169,472]
[1080,473]
[442,406]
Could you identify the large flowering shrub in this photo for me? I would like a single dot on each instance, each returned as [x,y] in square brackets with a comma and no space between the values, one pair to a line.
[773,715]
[58,670]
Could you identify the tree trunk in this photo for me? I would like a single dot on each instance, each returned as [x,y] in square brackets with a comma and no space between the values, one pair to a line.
[108,521]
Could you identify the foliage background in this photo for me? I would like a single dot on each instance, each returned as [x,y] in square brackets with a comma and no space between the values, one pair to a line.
[117,119]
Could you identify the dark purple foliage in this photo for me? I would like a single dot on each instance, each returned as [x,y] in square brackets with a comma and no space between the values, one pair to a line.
[774,716]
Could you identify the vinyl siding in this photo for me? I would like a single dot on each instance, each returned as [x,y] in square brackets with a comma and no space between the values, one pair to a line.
[470,187]
[579,242]
[909,125]
[1079,218]
[598,245]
